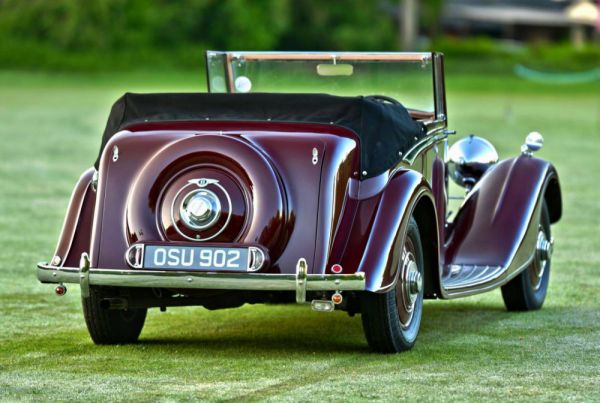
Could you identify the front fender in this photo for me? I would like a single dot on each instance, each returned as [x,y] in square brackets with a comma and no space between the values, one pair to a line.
[496,225]
[381,220]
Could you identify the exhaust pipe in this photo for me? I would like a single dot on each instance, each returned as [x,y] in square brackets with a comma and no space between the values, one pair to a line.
[320,305]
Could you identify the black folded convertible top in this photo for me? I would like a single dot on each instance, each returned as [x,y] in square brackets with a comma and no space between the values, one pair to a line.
[384,129]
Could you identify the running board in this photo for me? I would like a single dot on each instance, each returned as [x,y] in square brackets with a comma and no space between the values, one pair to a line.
[465,280]
[462,276]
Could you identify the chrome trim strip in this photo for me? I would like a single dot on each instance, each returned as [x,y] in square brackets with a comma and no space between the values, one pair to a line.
[436,125]
[433,137]
[47,273]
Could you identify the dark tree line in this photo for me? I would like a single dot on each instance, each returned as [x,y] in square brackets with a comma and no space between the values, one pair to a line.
[105,25]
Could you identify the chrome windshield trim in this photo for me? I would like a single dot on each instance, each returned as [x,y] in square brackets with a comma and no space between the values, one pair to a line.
[47,273]
[325,56]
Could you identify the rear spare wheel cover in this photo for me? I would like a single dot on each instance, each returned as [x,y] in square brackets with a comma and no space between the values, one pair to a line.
[251,198]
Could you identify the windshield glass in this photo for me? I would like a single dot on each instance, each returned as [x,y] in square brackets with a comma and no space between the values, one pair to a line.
[406,77]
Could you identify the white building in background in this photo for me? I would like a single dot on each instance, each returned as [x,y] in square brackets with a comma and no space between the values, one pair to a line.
[524,20]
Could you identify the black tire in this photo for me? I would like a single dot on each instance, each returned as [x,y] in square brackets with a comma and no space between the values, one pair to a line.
[382,313]
[111,326]
[528,290]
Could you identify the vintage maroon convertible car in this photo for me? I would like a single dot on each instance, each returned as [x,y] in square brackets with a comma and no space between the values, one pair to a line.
[266,189]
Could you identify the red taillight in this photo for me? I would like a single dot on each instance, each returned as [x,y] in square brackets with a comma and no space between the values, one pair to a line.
[60,290]
[336,268]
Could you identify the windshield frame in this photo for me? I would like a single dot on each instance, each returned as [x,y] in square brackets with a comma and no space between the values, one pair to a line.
[436,58]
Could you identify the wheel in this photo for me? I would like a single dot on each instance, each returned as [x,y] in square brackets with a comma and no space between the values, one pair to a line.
[527,291]
[111,326]
[391,320]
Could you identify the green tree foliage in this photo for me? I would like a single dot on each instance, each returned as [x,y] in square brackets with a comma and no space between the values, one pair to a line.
[339,25]
[431,14]
[106,25]
[121,34]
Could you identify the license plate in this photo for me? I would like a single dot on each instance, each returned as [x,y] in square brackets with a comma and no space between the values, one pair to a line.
[196,258]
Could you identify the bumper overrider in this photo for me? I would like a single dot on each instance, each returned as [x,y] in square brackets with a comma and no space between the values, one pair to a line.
[301,282]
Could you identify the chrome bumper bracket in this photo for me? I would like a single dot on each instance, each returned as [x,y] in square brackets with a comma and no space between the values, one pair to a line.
[84,275]
[301,276]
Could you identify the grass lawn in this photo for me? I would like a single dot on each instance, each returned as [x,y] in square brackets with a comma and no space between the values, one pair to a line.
[469,349]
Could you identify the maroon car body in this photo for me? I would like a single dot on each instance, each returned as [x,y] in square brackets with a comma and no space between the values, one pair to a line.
[315,226]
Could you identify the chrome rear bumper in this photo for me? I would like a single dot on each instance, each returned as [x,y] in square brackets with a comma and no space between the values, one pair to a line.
[301,282]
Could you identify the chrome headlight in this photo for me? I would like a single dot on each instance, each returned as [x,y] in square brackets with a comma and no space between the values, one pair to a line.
[469,158]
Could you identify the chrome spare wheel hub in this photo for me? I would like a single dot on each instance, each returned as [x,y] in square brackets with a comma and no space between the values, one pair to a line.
[200,209]
[411,284]
[543,253]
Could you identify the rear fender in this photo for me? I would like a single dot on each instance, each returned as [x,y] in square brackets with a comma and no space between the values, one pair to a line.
[76,232]
[379,226]
[496,225]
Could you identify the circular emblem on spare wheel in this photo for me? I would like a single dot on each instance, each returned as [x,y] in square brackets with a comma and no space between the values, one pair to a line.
[201,208]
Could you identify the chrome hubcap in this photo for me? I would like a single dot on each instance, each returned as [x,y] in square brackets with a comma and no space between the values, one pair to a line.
[411,285]
[544,246]
[200,209]
[543,253]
